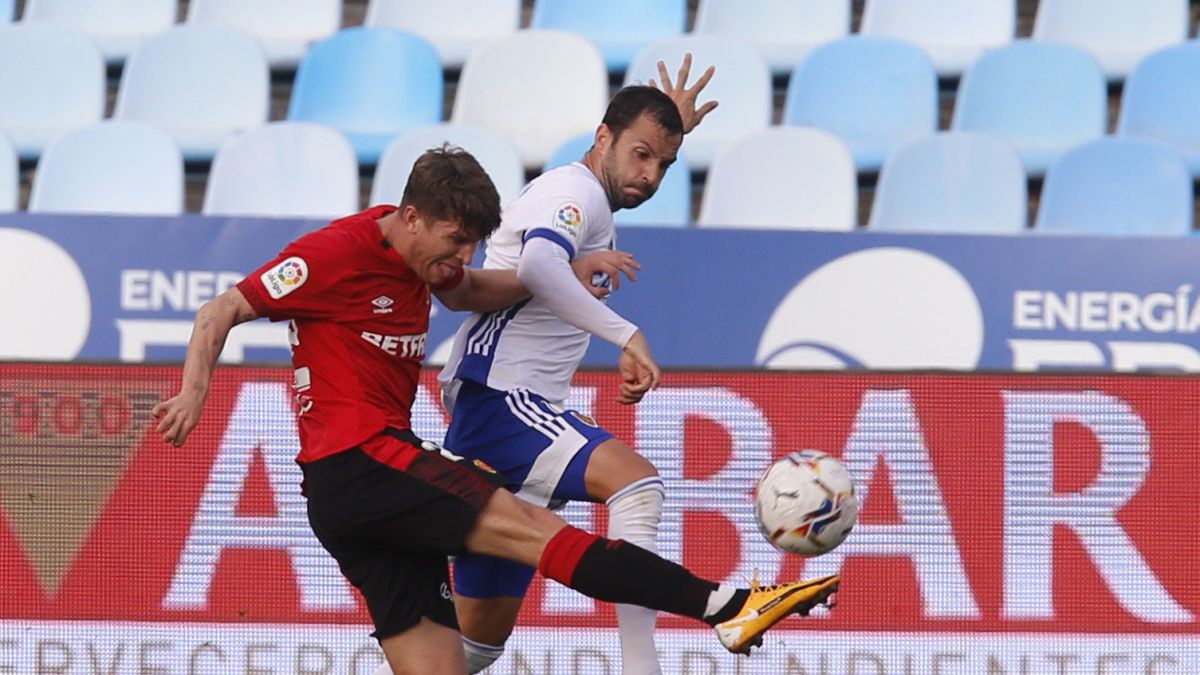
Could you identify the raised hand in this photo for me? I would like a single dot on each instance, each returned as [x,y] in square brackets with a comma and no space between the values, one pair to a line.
[685,97]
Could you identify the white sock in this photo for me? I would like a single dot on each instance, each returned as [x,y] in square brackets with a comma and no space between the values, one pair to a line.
[718,599]
[634,514]
[479,655]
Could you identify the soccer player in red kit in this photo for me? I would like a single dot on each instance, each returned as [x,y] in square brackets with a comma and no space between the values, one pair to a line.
[388,506]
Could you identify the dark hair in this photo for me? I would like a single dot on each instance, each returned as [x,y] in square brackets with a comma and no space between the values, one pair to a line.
[637,99]
[447,183]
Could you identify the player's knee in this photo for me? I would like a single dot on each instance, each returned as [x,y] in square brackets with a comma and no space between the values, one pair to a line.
[479,655]
[636,509]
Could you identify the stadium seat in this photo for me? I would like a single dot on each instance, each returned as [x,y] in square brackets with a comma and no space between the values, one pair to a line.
[783,31]
[495,153]
[952,32]
[1117,186]
[782,178]
[8,11]
[455,27]
[742,85]
[671,205]
[111,167]
[538,87]
[286,28]
[1042,97]
[952,182]
[284,170]
[65,91]
[10,176]
[117,26]
[372,84]
[1117,32]
[199,84]
[874,93]
[620,28]
[1161,100]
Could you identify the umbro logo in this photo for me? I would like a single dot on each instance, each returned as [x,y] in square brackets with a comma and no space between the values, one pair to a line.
[383,304]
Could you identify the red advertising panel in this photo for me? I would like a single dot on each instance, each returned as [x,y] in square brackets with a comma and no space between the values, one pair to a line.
[1010,524]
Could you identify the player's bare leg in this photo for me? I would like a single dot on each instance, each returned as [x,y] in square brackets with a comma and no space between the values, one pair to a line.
[427,648]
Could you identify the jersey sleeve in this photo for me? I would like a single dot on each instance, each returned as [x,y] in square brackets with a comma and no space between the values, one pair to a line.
[300,283]
[563,224]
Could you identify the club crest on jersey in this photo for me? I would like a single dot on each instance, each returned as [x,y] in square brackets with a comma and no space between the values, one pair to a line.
[568,218]
[285,277]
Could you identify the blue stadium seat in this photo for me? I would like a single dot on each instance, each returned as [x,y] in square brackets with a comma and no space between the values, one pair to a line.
[783,31]
[117,26]
[10,177]
[1042,97]
[952,182]
[1117,32]
[8,11]
[671,205]
[1117,186]
[618,27]
[65,91]
[286,28]
[538,87]
[874,93]
[1162,100]
[454,27]
[742,85]
[952,32]
[494,152]
[199,84]
[372,84]
[782,178]
[284,170]
[112,167]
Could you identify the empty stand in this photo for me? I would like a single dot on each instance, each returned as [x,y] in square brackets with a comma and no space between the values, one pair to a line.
[1117,185]
[65,91]
[952,32]
[282,170]
[742,85]
[537,87]
[199,84]
[112,167]
[782,178]
[1117,32]
[620,28]
[494,152]
[952,182]
[783,31]
[117,26]
[372,84]
[10,180]
[285,27]
[1043,97]
[1161,100]
[874,93]
[671,205]
[455,27]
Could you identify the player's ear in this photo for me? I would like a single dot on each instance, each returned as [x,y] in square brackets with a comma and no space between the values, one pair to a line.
[411,218]
[604,137]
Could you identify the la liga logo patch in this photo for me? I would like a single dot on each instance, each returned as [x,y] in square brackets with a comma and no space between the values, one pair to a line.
[285,277]
[568,218]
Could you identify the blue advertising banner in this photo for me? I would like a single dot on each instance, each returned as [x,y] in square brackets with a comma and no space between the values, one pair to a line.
[89,288]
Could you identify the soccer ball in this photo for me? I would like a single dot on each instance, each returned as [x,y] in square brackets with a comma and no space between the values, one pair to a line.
[806,503]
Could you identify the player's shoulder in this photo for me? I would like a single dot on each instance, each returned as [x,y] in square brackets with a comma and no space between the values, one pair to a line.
[572,186]
[345,236]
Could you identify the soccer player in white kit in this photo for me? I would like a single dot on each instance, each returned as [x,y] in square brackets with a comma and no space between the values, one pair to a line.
[509,373]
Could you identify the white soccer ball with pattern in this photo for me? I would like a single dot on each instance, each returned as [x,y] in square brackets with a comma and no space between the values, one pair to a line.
[806,503]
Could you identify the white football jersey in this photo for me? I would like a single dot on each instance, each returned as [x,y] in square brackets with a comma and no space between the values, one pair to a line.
[526,345]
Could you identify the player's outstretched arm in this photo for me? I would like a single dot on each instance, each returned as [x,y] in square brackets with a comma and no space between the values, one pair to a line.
[684,96]
[492,290]
[178,415]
